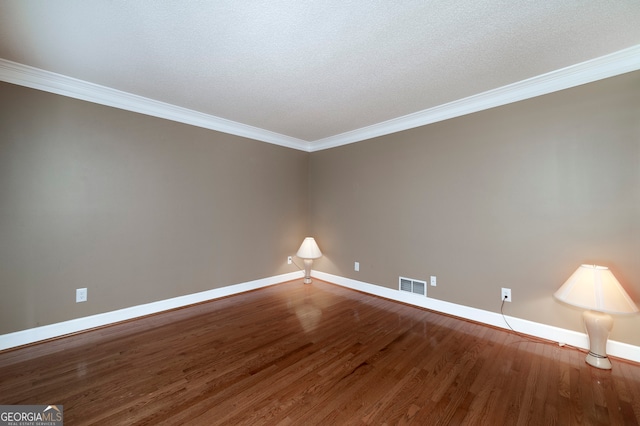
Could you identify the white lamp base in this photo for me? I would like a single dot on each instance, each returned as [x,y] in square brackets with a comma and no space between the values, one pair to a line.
[307,270]
[598,325]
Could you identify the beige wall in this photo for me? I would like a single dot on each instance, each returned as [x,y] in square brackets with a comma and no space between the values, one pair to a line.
[517,196]
[135,208]
[139,209]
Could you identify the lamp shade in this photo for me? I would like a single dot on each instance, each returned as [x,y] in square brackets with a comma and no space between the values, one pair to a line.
[309,249]
[594,287]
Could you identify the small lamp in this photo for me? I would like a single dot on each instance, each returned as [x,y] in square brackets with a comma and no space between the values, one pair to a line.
[595,288]
[308,251]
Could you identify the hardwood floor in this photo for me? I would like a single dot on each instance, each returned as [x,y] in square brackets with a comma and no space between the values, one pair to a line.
[295,354]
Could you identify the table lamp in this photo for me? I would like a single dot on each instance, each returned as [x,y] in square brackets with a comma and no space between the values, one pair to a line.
[595,289]
[308,251]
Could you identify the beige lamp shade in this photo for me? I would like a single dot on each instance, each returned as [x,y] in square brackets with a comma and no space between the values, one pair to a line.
[595,288]
[309,249]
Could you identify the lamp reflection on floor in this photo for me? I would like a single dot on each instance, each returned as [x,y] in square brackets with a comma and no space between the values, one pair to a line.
[309,316]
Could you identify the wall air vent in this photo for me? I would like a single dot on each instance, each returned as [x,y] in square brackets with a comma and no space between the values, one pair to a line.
[410,285]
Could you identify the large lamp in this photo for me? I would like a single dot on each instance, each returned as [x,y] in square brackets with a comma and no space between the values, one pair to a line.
[595,288]
[308,251]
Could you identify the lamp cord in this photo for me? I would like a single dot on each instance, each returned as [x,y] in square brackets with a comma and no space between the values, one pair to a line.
[505,318]
[294,262]
[524,336]
[537,340]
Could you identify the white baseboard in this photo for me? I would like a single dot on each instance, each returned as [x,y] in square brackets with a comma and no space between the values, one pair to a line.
[32,335]
[544,331]
[555,334]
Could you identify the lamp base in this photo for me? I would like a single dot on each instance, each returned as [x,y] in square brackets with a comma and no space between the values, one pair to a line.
[598,361]
[598,325]
[307,270]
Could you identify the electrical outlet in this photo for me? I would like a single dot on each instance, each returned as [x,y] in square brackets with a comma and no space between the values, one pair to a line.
[81,295]
[433,280]
[506,294]
[356,266]
[289,260]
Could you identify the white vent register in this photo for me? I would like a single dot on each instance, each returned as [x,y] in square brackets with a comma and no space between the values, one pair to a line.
[410,285]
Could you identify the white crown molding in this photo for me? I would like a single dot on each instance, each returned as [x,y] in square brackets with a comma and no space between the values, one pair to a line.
[51,331]
[35,78]
[616,63]
[544,331]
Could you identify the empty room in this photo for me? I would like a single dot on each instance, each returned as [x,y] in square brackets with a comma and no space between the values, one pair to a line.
[301,213]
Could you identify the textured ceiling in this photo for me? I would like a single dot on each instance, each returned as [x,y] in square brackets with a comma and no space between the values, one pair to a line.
[309,69]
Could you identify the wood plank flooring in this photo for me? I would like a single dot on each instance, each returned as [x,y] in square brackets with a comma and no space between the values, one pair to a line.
[295,354]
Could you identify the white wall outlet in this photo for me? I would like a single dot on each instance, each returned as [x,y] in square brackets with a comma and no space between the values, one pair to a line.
[433,281]
[81,295]
[289,260]
[506,294]
[356,266]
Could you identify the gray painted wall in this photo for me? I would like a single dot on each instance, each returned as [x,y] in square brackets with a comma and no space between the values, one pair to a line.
[517,196]
[135,208]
